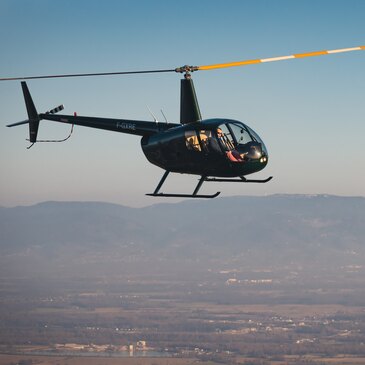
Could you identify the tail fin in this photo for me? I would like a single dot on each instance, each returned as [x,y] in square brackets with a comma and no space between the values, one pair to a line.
[33,117]
[32,114]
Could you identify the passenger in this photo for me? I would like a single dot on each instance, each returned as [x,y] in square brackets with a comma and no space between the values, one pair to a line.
[213,143]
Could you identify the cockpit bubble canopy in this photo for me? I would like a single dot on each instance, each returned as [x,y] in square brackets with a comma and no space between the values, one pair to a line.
[239,136]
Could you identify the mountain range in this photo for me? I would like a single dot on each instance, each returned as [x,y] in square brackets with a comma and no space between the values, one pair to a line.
[268,230]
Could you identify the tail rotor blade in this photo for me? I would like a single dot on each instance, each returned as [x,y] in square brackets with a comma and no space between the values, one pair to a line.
[56,110]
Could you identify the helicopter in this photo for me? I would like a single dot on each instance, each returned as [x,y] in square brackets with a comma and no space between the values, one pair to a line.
[217,149]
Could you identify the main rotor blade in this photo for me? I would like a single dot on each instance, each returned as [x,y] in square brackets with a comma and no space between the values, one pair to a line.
[282,58]
[186,69]
[84,75]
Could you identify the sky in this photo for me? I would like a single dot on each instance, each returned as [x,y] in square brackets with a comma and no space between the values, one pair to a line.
[309,112]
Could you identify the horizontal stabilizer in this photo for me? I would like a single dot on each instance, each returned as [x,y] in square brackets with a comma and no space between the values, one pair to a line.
[19,123]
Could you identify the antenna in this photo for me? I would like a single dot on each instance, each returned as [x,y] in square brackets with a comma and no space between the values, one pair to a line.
[167,122]
[153,116]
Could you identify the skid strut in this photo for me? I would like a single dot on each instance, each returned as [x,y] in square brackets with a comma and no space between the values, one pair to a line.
[194,195]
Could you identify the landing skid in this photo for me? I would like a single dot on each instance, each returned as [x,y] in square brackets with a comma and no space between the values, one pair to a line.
[185,195]
[242,179]
[195,194]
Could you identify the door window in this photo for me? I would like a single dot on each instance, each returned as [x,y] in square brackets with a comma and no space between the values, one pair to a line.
[192,141]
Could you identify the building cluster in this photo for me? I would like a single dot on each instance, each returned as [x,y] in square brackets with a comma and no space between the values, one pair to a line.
[131,348]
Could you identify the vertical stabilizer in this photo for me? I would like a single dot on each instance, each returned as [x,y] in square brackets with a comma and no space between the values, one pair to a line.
[32,114]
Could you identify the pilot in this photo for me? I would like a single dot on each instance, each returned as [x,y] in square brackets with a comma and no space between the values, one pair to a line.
[232,154]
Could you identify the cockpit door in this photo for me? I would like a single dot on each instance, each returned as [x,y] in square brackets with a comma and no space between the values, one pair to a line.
[225,138]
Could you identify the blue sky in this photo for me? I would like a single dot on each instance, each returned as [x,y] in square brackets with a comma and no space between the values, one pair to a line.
[309,112]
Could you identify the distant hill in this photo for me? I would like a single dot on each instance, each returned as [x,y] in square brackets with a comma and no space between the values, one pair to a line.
[272,229]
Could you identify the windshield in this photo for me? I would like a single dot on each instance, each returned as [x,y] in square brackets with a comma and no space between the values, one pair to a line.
[258,139]
[240,133]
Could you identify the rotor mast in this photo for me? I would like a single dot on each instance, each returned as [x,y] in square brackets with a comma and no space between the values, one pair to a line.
[189,107]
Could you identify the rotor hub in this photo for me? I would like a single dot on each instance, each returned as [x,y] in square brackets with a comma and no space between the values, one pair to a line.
[186,69]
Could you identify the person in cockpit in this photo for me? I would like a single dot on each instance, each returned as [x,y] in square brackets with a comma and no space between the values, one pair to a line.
[232,154]
[213,142]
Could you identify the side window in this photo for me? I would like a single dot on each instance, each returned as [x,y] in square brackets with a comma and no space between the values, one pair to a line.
[192,141]
[204,139]
[197,141]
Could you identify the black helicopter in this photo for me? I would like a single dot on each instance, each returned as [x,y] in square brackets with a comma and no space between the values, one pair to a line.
[219,150]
